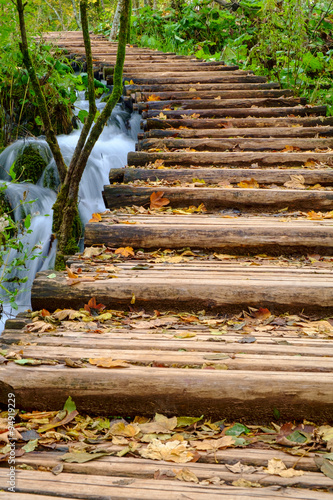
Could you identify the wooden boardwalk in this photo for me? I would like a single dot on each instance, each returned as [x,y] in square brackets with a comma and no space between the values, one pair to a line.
[214,264]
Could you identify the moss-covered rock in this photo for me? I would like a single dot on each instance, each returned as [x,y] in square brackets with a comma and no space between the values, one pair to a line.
[29,165]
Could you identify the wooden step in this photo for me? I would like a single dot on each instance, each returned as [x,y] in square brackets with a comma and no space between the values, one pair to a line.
[191,285]
[200,87]
[231,122]
[243,234]
[209,104]
[217,198]
[239,112]
[215,175]
[293,361]
[77,486]
[238,144]
[269,132]
[211,94]
[227,159]
[180,67]
[194,76]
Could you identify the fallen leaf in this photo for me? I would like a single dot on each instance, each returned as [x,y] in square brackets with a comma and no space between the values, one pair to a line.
[70,273]
[184,335]
[278,468]
[162,116]
[95,218]
[81,457]
[314,215]
[248,184]
[93,251]
[153,97]
[125,251]
[108,363]
[296,182]
[186,475]
[262,313]
[172,451]
[213,444]
[157,200]
[30,446]
[123,429]
[58,422]
[243,483]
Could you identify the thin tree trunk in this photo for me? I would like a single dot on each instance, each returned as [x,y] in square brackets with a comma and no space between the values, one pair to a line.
[116,21]
[56,13]
[65,208]
[42,106]
[77,19]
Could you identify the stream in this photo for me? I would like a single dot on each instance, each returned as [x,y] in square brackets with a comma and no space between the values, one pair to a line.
[117,139]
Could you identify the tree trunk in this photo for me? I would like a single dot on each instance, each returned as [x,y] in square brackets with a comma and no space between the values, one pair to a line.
[65,208]
[116,20]
[77,19]
[42,106]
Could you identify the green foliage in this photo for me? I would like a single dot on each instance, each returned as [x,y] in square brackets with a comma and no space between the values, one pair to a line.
[289,42]
[11,233]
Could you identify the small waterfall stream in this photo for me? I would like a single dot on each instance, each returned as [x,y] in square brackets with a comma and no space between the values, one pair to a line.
[110,151]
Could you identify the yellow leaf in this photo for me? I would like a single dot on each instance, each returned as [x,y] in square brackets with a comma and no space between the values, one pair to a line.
[184,335]
[70,273]
[133,299]
[248,184]
[192,89]
[162,116]
[315,215]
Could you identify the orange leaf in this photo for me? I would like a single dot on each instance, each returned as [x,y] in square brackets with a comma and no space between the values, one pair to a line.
[157,200]
[95,218]
[153,97]
[108,363]
[70,273]
[92,304]
[262,313]
[45,313]
[125,251]
[315,215]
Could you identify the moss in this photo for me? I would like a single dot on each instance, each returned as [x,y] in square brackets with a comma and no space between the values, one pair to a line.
[29,165]
[60,262]
[50,181]
[61,204]
[5,207]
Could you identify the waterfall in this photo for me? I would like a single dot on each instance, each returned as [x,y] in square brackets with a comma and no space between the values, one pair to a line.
[117,139]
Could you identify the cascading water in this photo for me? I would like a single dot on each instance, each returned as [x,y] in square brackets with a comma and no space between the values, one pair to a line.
[110,151]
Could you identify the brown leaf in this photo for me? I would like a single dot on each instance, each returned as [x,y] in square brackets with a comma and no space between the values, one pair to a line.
[92,304]
[157,200]
[277,467]
[262,313]
[186,475]
[58,422]
[108,363]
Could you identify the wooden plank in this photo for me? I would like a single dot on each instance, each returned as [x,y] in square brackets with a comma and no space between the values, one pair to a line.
[225,159]
[209,94]
[202,123]
[201,87]
[239,112]
[205,104]
[279,132]
[193,76]
[189,287]
[79,486]
[249,236]
[244,144]
[145,390]
[216,175]
[123,195]
[145,469]
[175,359]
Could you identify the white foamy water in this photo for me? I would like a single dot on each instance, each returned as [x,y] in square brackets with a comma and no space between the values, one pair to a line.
[117,139]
